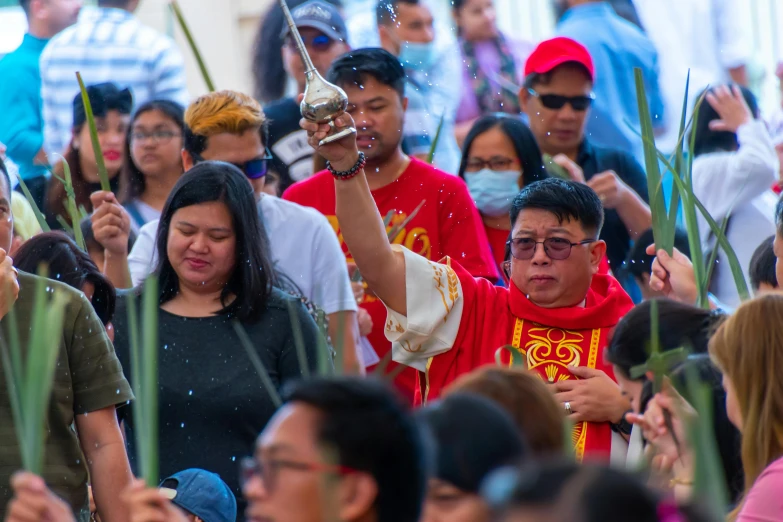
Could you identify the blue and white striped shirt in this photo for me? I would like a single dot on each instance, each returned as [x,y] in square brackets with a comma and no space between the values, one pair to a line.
[106,45]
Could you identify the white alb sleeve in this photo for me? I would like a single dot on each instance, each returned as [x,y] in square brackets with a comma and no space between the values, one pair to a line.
[435,303]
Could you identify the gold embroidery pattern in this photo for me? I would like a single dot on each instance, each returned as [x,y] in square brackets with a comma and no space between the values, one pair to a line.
[451,282]
[427,378]
[564,345]
[544,341]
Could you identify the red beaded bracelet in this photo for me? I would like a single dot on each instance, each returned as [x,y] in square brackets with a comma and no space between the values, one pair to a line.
[348,174]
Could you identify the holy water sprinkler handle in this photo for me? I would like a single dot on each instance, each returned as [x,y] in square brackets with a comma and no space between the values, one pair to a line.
[323,102]
[308,63]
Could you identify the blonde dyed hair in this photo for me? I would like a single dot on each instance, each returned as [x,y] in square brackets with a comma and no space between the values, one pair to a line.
[224,111]
[748,348]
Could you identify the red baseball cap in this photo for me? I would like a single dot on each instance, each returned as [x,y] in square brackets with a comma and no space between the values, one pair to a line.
[557,51]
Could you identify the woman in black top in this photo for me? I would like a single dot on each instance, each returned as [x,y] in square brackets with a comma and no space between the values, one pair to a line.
[213,270]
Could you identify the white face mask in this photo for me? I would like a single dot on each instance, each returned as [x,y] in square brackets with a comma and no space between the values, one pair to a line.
[493,190]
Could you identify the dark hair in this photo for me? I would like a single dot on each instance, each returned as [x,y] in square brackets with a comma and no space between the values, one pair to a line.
[762,265]
[464,455]
[534,79]
[113,3]
[25,5]
[567,200]
[269,76]
[520,135]
[386,10]
[132,184]
[640,262]
[372,431]
[252,278]
[354,66]
[707,140]
[524,396]
[69,264]
[679,325]
[589,493]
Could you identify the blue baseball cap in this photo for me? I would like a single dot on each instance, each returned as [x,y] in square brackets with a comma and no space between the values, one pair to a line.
[201,493]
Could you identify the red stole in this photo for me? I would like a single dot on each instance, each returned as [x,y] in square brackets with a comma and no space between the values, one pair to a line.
[551,339]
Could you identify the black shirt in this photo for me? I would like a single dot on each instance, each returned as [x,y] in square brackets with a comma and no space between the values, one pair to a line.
[595,160]
[292,156]
[212,402]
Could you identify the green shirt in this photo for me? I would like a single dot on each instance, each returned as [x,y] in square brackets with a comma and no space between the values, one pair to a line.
[87,378]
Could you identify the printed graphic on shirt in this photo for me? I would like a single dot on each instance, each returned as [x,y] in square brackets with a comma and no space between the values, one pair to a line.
[294,151]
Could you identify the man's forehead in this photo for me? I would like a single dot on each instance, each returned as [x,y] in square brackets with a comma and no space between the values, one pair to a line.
[292,427]
[231,147]
[540,220]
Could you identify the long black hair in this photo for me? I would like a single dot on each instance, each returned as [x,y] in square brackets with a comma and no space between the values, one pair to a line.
[67,263]
[252,278]
[132,184]
[707,140]
[525,145]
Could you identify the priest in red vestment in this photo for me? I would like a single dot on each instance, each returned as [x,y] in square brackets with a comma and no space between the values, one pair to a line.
[557,313]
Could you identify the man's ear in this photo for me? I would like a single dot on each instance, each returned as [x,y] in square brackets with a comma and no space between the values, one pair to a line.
[358,493]
[597,252]
[524,98]
[187,160]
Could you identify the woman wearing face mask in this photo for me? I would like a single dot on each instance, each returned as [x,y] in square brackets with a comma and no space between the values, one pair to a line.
[500,156]
[494,64]
[111,108]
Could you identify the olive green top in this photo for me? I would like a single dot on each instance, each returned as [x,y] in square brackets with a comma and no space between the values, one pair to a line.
[87,378]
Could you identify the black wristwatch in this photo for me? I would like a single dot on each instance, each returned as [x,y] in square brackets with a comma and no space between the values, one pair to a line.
[623,427]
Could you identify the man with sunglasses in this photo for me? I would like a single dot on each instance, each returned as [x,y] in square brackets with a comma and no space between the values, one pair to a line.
[554,318]
[325,36]
[557,98]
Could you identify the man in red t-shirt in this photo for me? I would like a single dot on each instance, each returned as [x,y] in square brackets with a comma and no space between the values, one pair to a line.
[447,224]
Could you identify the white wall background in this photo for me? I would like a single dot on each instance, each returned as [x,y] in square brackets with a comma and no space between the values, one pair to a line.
[225,30]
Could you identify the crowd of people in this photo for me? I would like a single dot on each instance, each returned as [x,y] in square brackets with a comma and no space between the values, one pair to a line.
[475,268]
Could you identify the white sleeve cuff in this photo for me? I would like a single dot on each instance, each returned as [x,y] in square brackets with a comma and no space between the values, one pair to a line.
[435,303]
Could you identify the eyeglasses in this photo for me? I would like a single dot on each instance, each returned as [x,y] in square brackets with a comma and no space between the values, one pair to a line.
[496,163]
[268,471]
[157,137]
[557,248]
[556,102]
[319,43]
[253,169]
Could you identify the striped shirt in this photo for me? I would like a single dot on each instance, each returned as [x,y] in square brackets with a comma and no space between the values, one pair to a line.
[106,45]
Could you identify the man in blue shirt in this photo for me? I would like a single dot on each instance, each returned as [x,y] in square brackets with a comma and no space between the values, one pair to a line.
[617,47]
[21,123]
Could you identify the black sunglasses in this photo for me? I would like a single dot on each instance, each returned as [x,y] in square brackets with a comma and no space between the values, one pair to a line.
[557,248]
[253,169]
[556,102]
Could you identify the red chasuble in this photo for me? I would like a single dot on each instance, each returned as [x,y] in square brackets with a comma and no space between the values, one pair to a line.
[551,340]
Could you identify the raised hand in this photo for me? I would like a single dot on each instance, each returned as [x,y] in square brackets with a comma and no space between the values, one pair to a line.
[9,283]
[595,397]
[673,275]
[110,223]
[342,154]
[34,502]
[149,505]
[730,106]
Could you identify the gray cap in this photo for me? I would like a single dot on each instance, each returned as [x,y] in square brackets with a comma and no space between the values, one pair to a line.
[322,16]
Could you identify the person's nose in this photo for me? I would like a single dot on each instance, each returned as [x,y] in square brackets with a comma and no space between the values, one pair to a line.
[540,258]
[199,244]
[254,490]
[567,113]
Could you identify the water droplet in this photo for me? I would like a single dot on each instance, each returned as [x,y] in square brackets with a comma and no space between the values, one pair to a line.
[182,425]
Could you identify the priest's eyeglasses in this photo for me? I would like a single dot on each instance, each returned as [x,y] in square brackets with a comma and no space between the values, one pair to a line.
[557,248]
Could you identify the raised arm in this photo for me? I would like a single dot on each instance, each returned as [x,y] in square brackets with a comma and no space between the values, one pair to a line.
[360,222]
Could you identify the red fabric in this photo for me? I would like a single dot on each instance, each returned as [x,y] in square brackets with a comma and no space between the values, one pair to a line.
[447,225]
[497,242]
[557,51]
[776,188]
[550,339]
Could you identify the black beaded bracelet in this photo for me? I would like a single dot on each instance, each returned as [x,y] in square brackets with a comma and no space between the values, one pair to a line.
[348,174]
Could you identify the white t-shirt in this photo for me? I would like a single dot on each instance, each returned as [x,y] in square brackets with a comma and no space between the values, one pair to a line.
[739,184]
[304,248]
[709,37]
